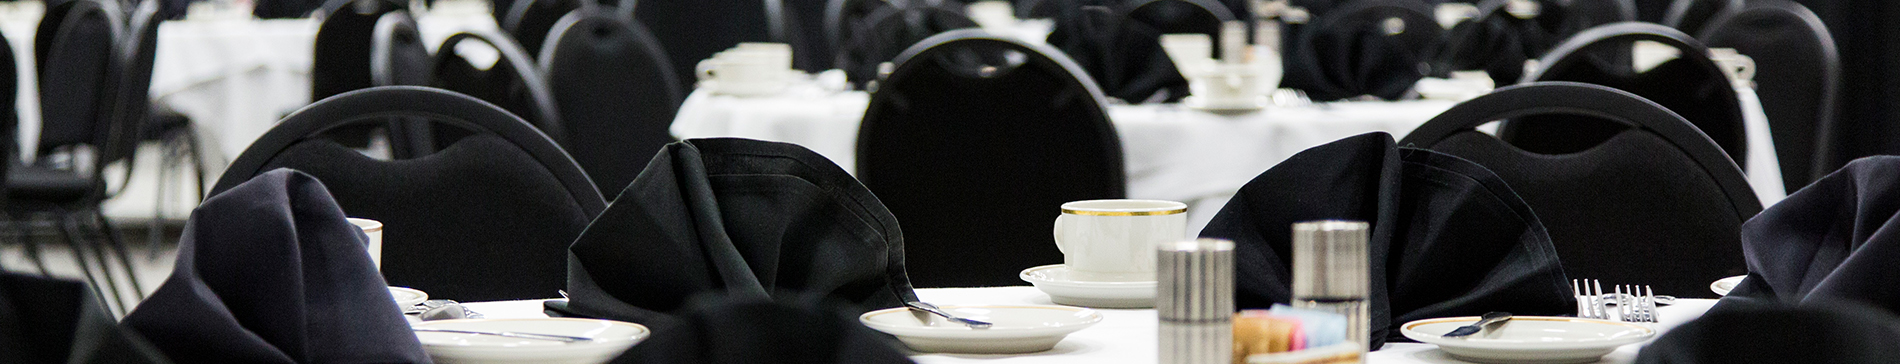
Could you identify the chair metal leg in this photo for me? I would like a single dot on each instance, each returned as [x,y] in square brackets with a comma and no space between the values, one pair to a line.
[117,242]
[73,241]
[27,243]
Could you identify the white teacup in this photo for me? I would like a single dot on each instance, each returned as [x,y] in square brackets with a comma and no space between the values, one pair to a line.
[745,73]
[779,53]
[1114,240]
[374,229]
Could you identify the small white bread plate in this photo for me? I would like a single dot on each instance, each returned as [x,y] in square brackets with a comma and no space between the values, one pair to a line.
[1014,328]
[1724,285]
[1529,339]
[406,297]
[610,338]
[1064,289]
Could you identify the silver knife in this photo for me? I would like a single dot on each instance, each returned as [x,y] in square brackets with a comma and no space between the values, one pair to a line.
[1475,327]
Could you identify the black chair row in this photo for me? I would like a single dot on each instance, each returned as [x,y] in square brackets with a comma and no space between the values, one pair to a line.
[598,83]
[94,71]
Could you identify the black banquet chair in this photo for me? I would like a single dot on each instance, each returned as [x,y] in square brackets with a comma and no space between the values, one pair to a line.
[80,78]
[615,91]
[486,218]
[1658,203]
[1691,85]
[529,21]
[512,82]
[1800,74]
[974,142]
[1693,16]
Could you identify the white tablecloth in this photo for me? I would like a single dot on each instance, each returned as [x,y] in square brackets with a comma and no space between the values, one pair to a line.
[1171,152]
[1130,336]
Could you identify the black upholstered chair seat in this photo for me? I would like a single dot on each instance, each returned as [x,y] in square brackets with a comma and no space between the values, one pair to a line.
[43,184]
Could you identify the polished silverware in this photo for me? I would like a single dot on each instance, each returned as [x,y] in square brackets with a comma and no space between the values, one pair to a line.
[1590,302]
[919,306]
[1486,320]
[512,334]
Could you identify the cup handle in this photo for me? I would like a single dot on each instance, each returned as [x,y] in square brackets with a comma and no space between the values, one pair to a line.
[1058,233]
[704,70]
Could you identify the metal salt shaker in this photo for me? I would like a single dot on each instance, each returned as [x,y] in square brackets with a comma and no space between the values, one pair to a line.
[1330,272]
[1194,296]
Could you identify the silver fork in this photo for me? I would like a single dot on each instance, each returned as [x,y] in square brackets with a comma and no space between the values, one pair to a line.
[1649,306]
[1635,303]
[1590,303]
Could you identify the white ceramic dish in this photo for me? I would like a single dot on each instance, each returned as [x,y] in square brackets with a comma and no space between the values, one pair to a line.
[1724,285]
[1225,108]
[407,297]
[1530,339]
[610,339]
[1055,280]
[1015,328]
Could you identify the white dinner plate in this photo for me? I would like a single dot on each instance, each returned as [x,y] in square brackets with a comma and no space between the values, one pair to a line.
[1014,328]
[1724,285]
[610,338]
[1529,339]
[407,297]
[1056,281]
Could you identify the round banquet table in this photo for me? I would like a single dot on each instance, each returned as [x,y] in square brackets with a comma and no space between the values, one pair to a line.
[1130,335]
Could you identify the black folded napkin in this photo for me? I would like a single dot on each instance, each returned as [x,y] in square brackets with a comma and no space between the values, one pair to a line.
[794,328]
[271,272]
[1772,332]
[49,320]
[739,216]
[1448,237]
[1836,239]
[1122,55]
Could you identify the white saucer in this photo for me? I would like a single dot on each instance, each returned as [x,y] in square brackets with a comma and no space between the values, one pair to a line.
[610,339]
[1530,339]
[1015,328]
[1722,286]
[1057,281]
[407,297]
[1228,108]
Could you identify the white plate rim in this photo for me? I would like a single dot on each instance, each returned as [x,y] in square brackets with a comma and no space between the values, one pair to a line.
[1027,277]
[640,336]
[1716,286]
[1410,332]
[1093,318]
[401,303]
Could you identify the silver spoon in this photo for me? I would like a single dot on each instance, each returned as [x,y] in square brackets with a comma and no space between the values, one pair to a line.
[1475,327]
[918,306]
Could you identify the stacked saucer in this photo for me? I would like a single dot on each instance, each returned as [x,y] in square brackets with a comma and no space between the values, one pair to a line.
[1096,290]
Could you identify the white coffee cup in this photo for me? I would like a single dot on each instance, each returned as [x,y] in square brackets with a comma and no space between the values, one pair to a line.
[1114,240]
[374,229]
[779,53]
[750,69]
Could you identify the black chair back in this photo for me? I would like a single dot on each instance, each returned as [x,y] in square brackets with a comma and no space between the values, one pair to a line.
[487,218]
[1690,85]
[1801,73]
[512,82]
[806,18]
[974,142]
[132,102]
[1365,47]
[693,30]
[9,112]
[529,21]
[343,46]
[1658,203]
[79,70]
[883,34]
[1692,16]
[615,92]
